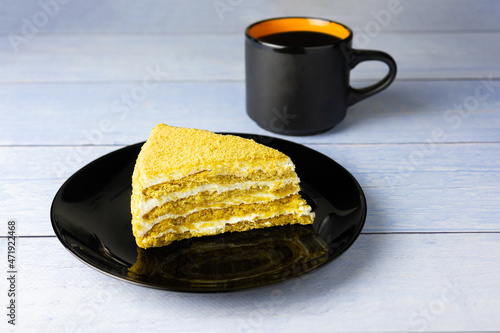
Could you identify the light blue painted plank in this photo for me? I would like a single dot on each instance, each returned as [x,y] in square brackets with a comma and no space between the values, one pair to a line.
[118,58]
[449,209]
[74,58]
[44,163]
[398,282]
[456,188]
[408,159]
[388,165]
[72,114]
[29,201]
[175,16]
[462,209]
[436,187]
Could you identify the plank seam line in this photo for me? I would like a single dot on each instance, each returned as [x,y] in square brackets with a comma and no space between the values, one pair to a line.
[119,145]
[104,145]
[32,236]
[428,232]
[397,143]
[238,33]
[242,81]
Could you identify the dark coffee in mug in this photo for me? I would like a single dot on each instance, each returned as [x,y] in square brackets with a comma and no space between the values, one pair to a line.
[300,39]
[297,74]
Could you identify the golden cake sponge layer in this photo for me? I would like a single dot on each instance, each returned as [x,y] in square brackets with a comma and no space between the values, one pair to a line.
[174,152]
[275,221]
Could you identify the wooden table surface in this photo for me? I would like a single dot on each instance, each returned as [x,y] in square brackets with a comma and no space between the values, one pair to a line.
[426,152]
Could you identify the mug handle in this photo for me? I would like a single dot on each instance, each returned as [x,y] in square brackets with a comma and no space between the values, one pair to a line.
[357,56]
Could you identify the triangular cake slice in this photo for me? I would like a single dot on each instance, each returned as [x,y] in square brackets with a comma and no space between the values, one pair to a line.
[190,183]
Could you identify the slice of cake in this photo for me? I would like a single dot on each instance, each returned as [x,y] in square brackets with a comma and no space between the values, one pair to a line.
[190,183]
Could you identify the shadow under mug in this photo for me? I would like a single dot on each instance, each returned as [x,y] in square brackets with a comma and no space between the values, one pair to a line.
[297,74]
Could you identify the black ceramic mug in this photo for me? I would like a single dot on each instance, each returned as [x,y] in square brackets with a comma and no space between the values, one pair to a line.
[297,74]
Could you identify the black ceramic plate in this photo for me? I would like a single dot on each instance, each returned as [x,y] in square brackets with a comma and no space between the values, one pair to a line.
[91,217]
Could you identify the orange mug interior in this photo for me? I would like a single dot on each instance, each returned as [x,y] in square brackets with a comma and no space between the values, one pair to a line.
[275,26]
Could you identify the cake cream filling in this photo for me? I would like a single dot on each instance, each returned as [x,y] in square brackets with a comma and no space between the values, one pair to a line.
[146,226]
[147,204]
[215,227]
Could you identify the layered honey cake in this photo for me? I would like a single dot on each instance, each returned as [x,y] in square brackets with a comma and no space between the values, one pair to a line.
[190,183]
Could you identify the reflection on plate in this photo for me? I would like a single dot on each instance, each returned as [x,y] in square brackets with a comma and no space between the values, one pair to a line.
[233,260]
[91,217]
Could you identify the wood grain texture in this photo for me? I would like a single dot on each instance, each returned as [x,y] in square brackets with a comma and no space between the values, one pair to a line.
[83,78]
[159,17]
[397,282]
[215,57]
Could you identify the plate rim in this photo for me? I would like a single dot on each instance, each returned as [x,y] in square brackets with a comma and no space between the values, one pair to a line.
[148,284]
